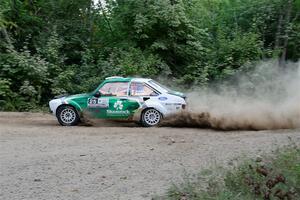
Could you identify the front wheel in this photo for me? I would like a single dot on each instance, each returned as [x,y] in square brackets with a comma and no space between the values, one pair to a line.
[67,116]
[151,117]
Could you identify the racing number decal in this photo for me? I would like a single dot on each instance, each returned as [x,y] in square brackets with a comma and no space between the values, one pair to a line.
[98,102]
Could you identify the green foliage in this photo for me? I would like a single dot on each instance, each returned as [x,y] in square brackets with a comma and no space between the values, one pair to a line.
[133,61]
[26,76]
[61,46]
[274,177]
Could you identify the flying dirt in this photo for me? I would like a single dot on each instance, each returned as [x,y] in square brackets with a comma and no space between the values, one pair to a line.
[266,97]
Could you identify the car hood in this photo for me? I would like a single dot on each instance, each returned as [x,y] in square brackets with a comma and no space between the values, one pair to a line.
[75,96]
[179,94]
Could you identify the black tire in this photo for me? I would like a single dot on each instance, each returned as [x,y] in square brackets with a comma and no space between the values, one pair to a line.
[150,117]
[139,123]
[67,115]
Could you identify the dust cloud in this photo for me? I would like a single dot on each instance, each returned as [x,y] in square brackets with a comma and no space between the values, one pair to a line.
[263,97]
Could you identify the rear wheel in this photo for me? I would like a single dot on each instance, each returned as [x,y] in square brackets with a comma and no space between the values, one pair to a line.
[150,117]
[67,116]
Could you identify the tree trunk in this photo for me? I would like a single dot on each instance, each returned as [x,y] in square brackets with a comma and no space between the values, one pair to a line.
[278,32]
[286,31]
[6,38]
[105,17]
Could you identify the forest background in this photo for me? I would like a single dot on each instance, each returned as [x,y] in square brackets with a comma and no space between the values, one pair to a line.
[51,47]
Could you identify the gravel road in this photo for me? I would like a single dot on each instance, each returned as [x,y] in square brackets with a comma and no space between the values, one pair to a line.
[43,160]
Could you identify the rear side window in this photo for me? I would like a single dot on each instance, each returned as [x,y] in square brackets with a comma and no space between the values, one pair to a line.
[114,89]
[141,89]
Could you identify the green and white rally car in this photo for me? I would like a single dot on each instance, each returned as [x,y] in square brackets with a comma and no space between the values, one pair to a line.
[134,99]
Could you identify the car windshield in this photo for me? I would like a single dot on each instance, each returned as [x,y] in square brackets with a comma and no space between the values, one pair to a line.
[156,84]
[141,89]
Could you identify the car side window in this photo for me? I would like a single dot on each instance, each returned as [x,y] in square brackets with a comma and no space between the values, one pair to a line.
[141,89]
[114,89]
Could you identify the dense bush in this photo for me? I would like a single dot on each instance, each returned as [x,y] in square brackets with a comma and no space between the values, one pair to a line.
[60,46]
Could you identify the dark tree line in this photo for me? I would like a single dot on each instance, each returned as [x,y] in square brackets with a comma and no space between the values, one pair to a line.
[49,47]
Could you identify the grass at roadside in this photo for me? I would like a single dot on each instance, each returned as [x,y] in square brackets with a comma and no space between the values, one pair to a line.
[268,177]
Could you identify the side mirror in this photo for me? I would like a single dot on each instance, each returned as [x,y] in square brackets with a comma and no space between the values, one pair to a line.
[97,94]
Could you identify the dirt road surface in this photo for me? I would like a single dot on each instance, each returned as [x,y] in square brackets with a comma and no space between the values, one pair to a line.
[43,160]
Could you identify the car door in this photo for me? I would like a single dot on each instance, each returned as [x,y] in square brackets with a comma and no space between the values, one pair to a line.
[121,107]
[113,102]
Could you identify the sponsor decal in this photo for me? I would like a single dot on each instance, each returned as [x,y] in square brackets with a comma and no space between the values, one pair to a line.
[117,112]
[172,104]
[118,105]
[98,102]
[162,98]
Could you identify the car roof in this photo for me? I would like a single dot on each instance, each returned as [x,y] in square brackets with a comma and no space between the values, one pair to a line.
[141,79]
[117,79]
[127,79]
